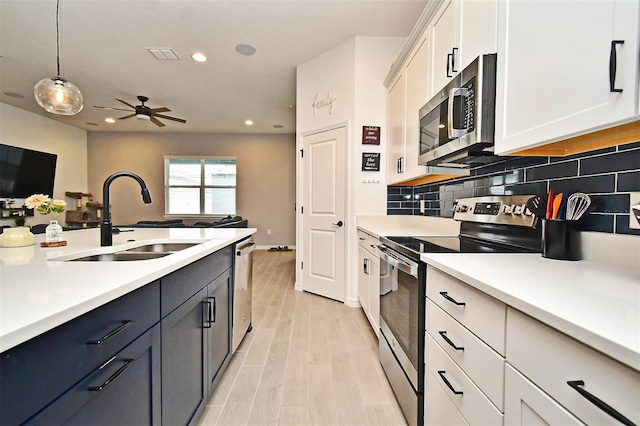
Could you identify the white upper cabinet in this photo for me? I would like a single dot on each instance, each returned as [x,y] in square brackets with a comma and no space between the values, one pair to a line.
[395,123]
[460,31]
[407,94]
[565,67]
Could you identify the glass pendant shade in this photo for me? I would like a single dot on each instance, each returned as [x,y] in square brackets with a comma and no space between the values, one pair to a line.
[58,96]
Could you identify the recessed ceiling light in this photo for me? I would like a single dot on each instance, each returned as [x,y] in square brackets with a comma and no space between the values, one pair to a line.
[14,95]
[245,49]
[248,122]
[89,123]
[110,120]
[199,57]
[278,126]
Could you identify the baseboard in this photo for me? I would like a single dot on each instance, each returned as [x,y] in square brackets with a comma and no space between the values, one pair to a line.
[354,303]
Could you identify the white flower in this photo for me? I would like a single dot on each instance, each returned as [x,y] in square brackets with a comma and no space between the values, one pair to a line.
[36,200]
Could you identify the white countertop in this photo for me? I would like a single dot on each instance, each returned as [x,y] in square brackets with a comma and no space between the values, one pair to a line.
[38,294]
[399,226]
[596,304]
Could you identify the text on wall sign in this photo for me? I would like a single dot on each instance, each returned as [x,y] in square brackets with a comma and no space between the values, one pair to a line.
[324,102]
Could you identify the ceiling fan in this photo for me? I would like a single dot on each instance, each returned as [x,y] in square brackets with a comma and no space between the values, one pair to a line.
[143,112]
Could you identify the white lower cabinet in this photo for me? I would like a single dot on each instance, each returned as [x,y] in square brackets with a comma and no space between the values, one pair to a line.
[526,404]
[441,410]
[369,278]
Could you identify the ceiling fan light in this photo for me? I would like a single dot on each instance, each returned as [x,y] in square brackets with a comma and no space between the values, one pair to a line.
[143,117]
[58,96]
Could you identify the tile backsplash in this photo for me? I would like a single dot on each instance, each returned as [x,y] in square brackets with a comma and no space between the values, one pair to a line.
[608,175]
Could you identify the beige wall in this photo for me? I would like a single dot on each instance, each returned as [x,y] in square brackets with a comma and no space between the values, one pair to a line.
[266,175]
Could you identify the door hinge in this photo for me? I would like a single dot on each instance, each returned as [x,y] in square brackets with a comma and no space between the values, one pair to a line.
[301,265]
[301,209]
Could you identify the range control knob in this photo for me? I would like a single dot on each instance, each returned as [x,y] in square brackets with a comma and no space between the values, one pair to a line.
[462,208]
[507,209]
[518,209]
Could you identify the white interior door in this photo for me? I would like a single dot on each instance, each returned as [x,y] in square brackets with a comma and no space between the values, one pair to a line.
[323,213]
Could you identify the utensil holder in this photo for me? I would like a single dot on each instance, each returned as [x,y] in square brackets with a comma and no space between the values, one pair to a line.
[561,239]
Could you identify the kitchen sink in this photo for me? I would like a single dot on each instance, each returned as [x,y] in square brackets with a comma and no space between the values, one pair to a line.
[160,248]
[119,257]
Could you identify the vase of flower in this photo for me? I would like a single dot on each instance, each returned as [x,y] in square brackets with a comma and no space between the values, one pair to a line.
[53,232]
[45,206]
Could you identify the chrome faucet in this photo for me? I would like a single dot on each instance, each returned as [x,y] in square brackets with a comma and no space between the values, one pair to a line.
[106,228]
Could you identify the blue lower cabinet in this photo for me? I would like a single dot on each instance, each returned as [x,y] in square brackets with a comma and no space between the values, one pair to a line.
[219,332]
[125,390]
[184,390]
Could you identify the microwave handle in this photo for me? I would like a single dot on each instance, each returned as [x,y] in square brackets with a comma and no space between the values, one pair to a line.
[455,132]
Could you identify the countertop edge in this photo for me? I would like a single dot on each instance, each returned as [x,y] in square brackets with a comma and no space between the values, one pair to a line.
[22,334]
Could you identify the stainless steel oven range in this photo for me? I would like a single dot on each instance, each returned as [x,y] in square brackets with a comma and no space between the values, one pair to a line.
[493,224]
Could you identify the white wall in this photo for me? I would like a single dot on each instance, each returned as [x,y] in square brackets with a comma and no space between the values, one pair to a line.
[27,130]
[353,73]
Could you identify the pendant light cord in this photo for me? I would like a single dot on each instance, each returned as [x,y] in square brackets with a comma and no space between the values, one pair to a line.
[58,35]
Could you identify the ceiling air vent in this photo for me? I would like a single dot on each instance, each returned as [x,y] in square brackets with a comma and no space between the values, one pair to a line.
[163,54]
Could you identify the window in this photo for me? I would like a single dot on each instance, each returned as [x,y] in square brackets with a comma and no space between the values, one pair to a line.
[200,186]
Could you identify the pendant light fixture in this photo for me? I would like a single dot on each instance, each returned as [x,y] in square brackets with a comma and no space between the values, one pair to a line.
[56,95]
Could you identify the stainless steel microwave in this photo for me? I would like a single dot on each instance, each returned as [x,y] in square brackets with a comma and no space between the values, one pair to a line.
[457,126]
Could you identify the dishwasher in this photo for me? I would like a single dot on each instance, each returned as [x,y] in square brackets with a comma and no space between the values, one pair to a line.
[242,291]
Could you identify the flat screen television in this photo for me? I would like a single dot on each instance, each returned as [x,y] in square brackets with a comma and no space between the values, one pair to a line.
[24,172]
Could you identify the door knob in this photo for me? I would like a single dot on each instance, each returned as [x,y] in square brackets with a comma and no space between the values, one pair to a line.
[339,224]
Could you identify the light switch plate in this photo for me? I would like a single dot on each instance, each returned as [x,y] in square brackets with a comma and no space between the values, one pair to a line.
[634,219]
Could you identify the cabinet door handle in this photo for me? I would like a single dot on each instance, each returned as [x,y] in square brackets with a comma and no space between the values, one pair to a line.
[364,267]
[613,64]
[398,165]
[576,384]
[401,164]
[446,339]
[451,299]
[114,376]
[448,62]
[453,59]
[109,335]
[449,385]
[206,313]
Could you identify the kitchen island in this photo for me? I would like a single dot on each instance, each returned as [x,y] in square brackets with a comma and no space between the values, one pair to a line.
[70,330]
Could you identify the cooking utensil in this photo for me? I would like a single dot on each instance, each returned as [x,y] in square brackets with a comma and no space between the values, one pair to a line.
[557,202]
[537,205]
[577,204]
[563,206]
[549,204]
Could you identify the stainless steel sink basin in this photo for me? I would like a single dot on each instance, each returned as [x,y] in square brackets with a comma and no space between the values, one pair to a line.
[119,257]
[160,248]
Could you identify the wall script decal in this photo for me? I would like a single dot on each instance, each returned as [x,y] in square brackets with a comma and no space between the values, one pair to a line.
[321,103]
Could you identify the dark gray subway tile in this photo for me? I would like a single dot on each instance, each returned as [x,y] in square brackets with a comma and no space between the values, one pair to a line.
[614,203]
[631,145]
[399,212]
[597,223]
[394,190]
[590,185]
[622,225]
[522,162]
[629,181]
[490,168]
[393,205]
[533,188]
[553,171]
[618,161]
[583,154]
[395,197]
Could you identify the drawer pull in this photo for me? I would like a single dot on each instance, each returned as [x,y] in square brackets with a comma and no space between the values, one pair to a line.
[112,333]
[576,384]
[446,382]
[446,339]
[114,376]
[451,299]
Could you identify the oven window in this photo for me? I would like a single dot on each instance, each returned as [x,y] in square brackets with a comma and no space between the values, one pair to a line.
[399,308]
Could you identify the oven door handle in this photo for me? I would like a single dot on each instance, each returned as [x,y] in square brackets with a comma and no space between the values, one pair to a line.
[400,262]
[452,117]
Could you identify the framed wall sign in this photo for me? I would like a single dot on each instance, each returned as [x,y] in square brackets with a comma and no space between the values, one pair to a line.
[370,161]
[370,135]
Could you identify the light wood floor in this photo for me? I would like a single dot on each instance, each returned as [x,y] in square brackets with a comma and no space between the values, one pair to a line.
[308,361]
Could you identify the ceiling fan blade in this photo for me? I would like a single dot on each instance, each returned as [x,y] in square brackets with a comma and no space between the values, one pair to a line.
[161,109]
[111,108]
[166,117]
[126,103]
[157,122]
[127,116]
